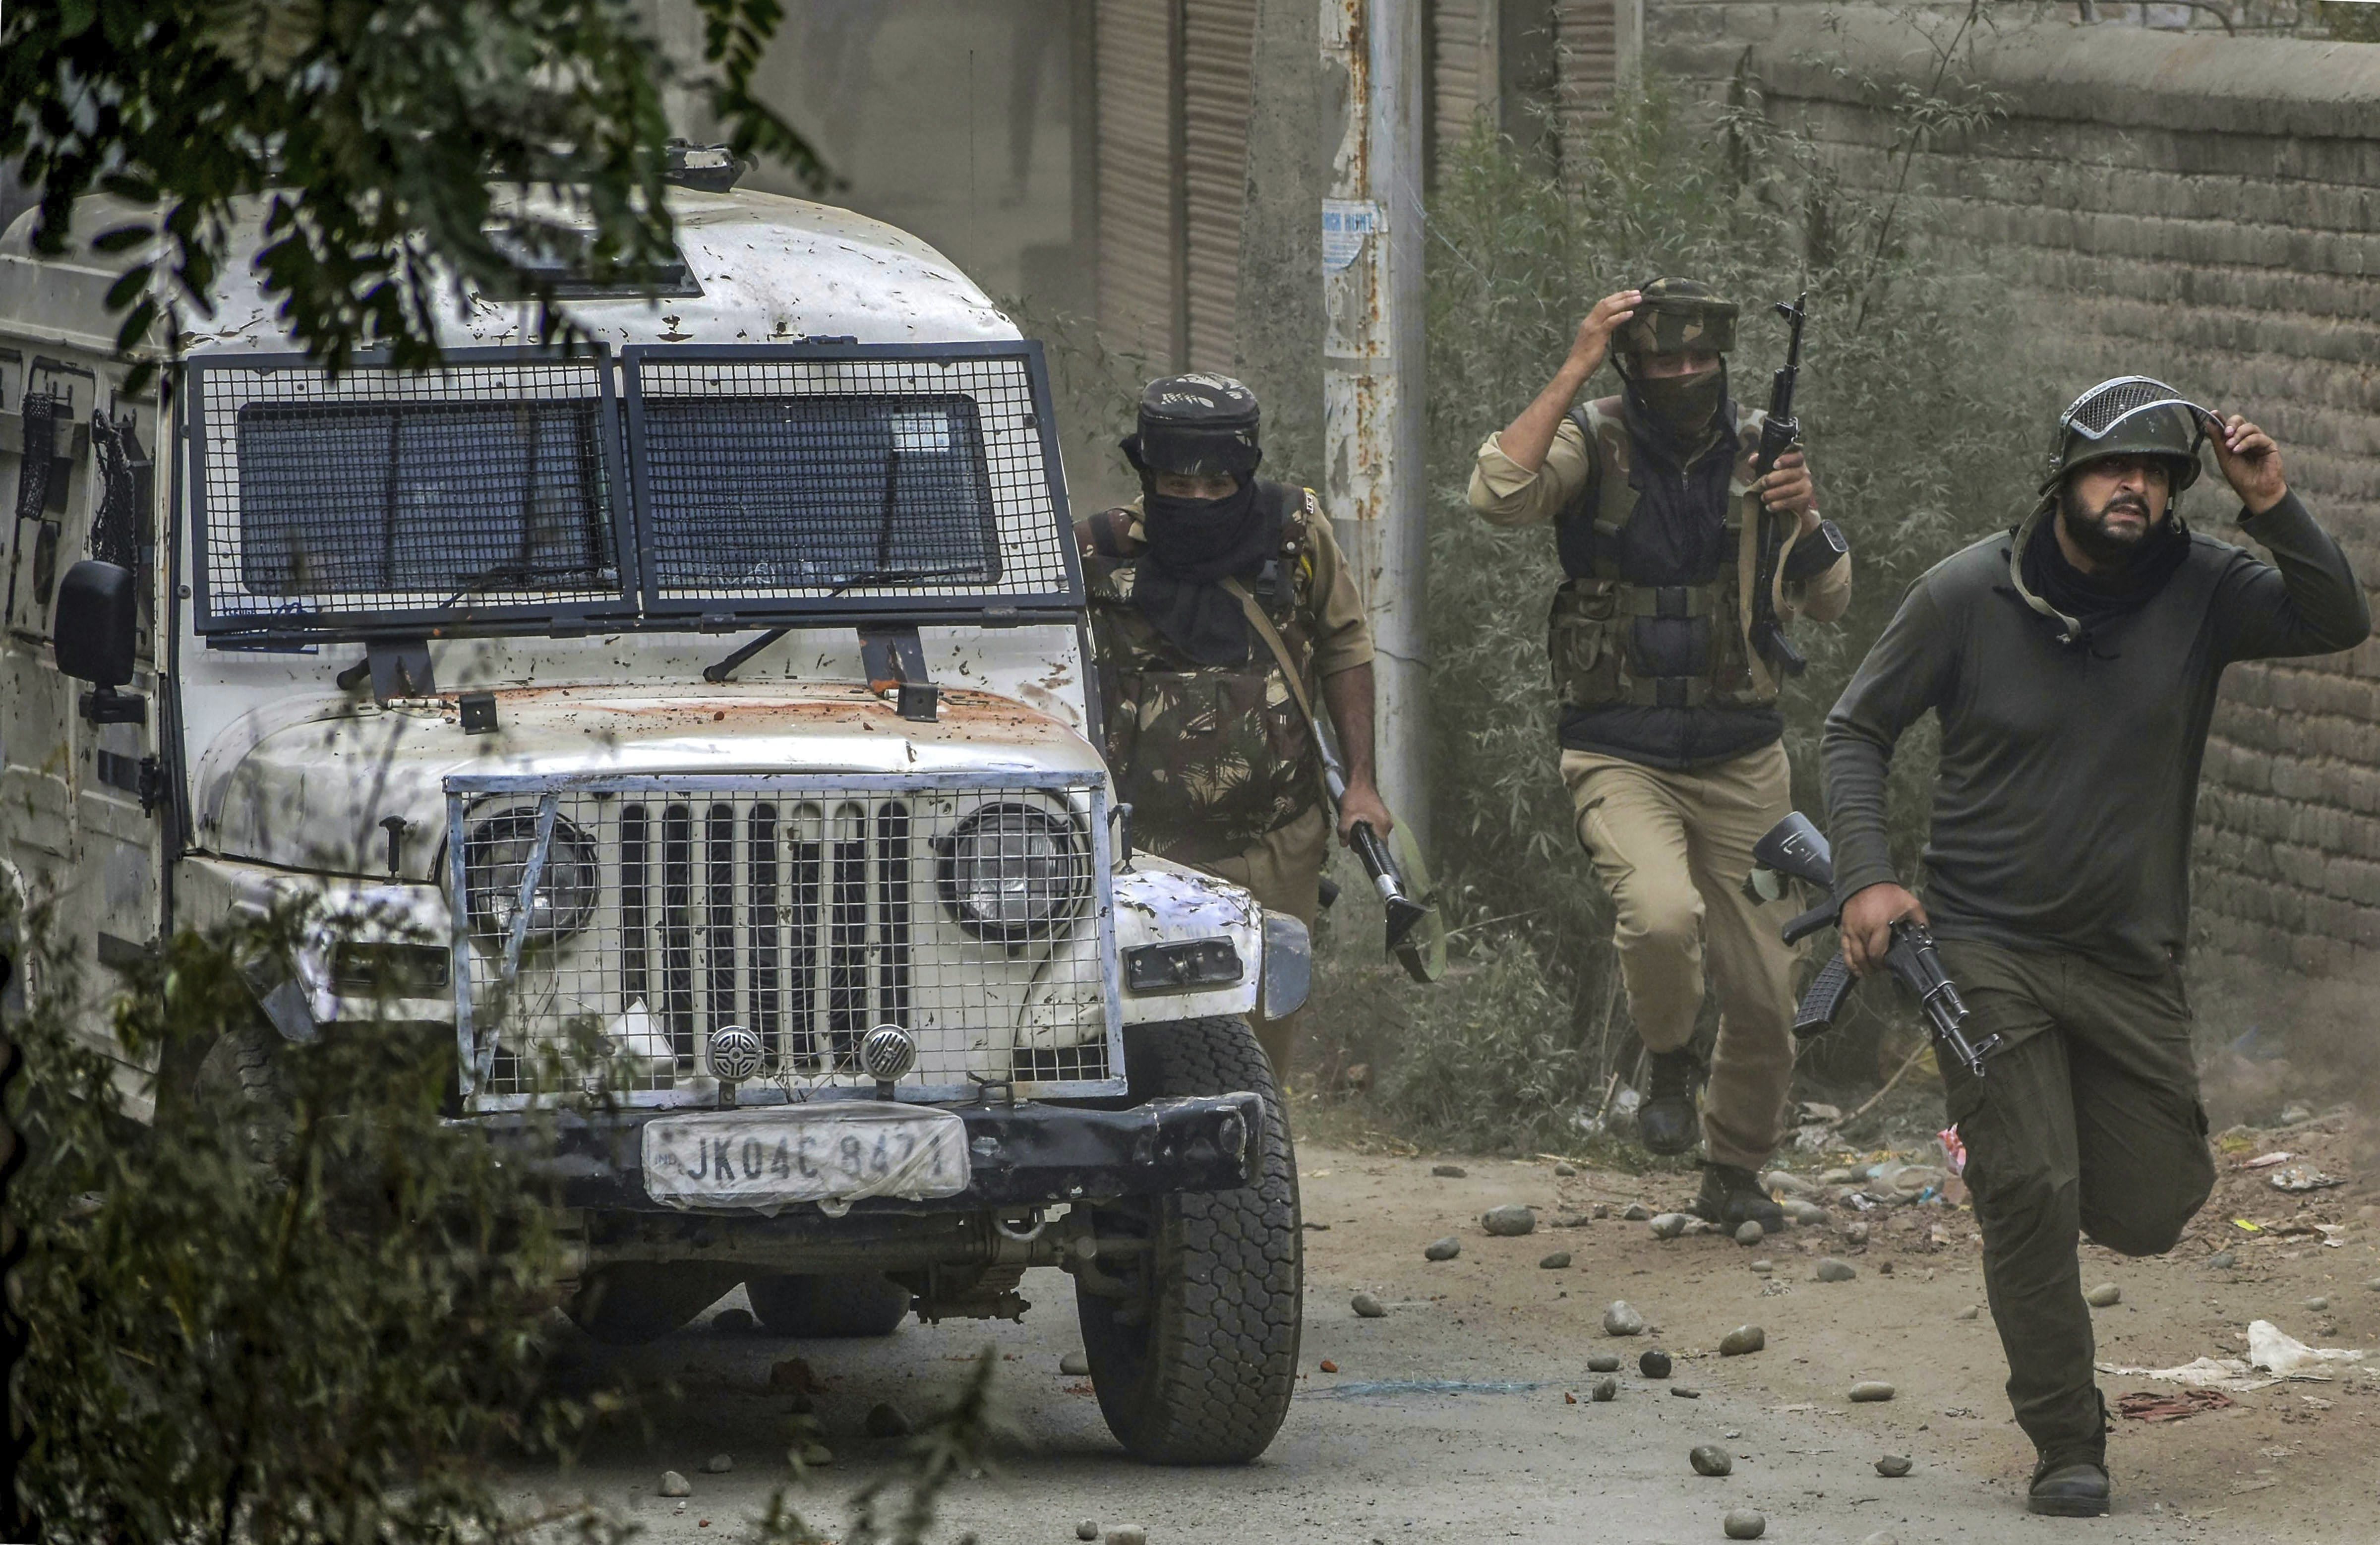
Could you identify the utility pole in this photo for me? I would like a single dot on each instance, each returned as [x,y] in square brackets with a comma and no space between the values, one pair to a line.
[1372,359]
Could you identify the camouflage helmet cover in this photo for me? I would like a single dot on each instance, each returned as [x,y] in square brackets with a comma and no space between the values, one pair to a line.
[1201,425]
[2130,415]
[1675,315]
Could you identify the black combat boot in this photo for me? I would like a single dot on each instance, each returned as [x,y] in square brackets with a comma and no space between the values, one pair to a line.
[1732,1198]
[1667,1121]
[2069,1485]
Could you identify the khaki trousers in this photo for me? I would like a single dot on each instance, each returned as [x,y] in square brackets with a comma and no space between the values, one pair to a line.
[1283,871]
[1672,849]
[2087,1121]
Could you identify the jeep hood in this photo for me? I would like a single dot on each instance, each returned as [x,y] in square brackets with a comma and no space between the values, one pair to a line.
[308,783]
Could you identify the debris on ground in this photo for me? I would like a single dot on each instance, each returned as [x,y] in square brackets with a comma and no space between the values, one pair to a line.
[1621,1320]
[1763,1267]
[1128,1534]
[1750,1233]
[1606,1388]
[1833,1270]
[1685,1392]
[2298,1177]
[793,1374]
[1075,1365]
[1558,1261]
[1367,1306]
[1669,1226]
[718,1464]
[1808,1214]
[1636,1212]
[1973,1311]
[2223,1260]
[1744,1522]
[2276,1352]
[1329,1367]
[2106,1295]
[1868,1390]
[2265,1160]
[1892,1467]
[814,1454]
[888,1421]
[1443,1249]
[1744,1339]
[1709,1459]
[676,1485]
[1654,1364]
[1565,1171]
[2154,1406]
[1087,1529]
[1603,1362]
[1510,1220]
[1449,1171]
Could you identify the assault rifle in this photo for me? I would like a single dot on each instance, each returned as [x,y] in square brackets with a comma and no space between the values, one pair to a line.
[1779,434]
[1794,850]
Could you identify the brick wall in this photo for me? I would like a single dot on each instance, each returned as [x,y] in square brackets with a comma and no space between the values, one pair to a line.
[2205,210]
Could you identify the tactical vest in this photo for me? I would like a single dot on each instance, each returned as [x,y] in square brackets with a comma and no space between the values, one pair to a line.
[1211,758]
[1593,635]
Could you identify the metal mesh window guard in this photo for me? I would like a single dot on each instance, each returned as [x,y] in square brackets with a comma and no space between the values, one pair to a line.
[480,488]
[808,910]
[773,478]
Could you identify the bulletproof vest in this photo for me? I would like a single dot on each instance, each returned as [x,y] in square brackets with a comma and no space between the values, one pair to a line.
[1643,626]
[1210,757]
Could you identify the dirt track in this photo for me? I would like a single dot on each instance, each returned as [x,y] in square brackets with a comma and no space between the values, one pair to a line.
[1372,1452]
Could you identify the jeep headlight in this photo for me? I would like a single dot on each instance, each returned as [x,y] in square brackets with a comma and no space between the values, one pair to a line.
[495,855]
[1012,872]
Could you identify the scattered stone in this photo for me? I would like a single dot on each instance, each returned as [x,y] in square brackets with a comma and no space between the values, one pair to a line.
[1744,1523]
[1636,1212]
[1606,1388]
[1669,1226]
[1565,1171]
[1809,1214]
[888,1421]
[1856,1233]
[1741,1340]
[1367,1306]
[1871,1389]
[1601,1210]
[1892,1467]
[676,1485]
[1685,1392]
[1443,1249]
[1833,1270]
[2293,1114]
[1510,1220]
[718,1464]
[1621,1320]
[1709,1459]
[2223,1260]
[1075,1365]
[1558,1261]
[2374,1285]
[1973,1311]
[1882,1537]
[793,1374]
[1763,1267]
[816,1453]
[733,1322]
[1750,1233]
[1329,1367]
[1571,1220]
[2317,1303]
[1087,1529]
[1840,1177]
[1128,1534]
[1358,1077]
[1603,1362]
[1654,1364]
[2107,1295]
[1884,1268]
[1449,1171]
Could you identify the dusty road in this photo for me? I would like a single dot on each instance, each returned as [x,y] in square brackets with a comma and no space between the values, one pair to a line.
[1452,1418]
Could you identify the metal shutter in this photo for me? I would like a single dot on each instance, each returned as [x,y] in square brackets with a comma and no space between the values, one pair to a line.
[1217,95]
[1462,71]
[1586,51]
[1139,157]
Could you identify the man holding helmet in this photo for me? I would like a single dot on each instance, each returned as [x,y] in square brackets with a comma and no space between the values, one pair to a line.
[2072,664]
[1671,741]
[1205,733]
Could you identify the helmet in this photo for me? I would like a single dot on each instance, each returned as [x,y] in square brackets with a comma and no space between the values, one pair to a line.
[1201,425]
[1676,315]
[2131,415]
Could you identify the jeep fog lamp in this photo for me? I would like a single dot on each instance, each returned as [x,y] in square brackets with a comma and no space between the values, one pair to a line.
[1012,872]
[495,855]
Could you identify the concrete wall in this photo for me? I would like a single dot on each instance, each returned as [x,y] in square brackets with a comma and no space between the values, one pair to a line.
[2206,211]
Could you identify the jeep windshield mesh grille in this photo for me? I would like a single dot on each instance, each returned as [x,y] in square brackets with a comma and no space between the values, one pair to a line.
[786,494]
[771,478]
[468,490]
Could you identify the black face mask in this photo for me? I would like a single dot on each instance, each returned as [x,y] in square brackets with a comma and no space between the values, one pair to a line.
[1681,407]
[1193,544]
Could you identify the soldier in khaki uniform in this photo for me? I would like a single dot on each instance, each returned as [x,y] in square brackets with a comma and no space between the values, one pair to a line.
[1671,742]
[1205,733]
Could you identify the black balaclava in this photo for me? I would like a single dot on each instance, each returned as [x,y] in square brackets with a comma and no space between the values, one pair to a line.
[1202,426]
[1678,409]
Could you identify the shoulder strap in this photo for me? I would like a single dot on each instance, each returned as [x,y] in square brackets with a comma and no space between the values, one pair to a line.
[1273,641]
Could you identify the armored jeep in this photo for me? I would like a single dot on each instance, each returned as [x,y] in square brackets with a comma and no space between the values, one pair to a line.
[702,720]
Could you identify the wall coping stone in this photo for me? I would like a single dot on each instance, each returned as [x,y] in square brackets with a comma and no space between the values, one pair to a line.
[2124,77]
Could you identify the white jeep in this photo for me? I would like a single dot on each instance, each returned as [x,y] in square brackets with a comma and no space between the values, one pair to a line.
[704,722]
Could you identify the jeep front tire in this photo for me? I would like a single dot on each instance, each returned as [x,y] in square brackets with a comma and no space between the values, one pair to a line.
[1195,1364]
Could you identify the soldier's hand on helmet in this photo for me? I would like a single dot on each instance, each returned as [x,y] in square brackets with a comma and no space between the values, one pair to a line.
[1868,924]
[2250,462]
[1788,490]
[1362,802]
[1594,340]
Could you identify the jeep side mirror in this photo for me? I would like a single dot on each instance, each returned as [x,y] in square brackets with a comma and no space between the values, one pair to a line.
[93,627]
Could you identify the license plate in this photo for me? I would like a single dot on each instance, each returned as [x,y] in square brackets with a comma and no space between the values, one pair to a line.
[840,1153]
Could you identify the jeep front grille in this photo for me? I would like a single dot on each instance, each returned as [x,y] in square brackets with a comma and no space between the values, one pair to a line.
[806,909]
